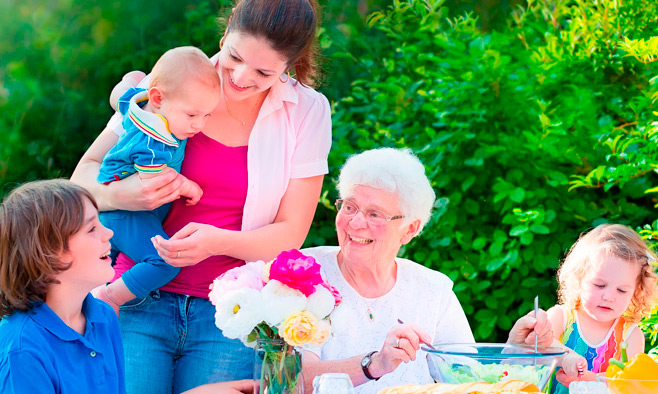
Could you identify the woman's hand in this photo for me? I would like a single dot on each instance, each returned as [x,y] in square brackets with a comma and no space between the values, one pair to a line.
[189,245]
[524,330]
[400,345]
[245,386]
[145,194]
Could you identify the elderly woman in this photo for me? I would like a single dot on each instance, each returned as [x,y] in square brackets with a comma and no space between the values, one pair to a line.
[390,305]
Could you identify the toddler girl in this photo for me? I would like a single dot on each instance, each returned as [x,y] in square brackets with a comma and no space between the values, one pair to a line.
[607,284]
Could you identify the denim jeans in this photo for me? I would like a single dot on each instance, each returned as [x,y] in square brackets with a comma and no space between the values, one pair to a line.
[171,345]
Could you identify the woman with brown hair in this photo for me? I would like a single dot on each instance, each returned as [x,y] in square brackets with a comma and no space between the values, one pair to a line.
[260,161]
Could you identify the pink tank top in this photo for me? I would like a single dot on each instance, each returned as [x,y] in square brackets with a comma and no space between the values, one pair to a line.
[221,171]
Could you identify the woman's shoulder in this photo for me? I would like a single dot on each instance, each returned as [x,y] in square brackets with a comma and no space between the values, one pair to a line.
[303,96]
[322,254]
[423,275]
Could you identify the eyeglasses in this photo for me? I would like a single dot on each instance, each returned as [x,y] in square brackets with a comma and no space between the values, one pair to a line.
[373,216]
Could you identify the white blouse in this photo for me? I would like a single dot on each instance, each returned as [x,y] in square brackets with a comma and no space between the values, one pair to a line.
[420,295]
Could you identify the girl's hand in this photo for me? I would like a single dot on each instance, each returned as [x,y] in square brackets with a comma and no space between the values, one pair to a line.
[573,364]
[400,345]
[527,327]
[566,380]
[191,244]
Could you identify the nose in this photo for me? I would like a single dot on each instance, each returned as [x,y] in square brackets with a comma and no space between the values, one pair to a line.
[107,234]
[240,75]
[608,294]
[358,220]
[197,124]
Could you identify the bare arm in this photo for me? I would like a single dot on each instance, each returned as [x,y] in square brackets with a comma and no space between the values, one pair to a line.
[233,387]
[196,241]
[130,193]
[400,345]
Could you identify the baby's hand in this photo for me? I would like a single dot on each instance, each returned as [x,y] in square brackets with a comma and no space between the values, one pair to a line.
[574,364]
[193,194]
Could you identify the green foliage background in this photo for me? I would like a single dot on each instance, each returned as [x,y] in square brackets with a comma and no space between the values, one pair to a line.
[533,121]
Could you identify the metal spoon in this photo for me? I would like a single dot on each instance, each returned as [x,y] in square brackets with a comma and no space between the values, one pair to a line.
[536,308]
[429,345]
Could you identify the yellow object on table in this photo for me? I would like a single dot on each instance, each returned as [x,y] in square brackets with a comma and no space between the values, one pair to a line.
[505,387]
[638,376]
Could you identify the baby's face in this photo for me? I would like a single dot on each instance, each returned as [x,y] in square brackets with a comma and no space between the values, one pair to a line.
[188,109]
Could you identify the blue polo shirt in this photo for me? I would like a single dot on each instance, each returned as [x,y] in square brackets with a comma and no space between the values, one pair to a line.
[39,353]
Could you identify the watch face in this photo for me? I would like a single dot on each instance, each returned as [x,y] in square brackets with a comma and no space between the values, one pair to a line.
[365,362]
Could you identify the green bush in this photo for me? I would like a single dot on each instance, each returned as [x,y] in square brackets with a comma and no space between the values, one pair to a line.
[59,62]
[502,120]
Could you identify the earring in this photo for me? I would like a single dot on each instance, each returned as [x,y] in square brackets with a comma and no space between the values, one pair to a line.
[285,80]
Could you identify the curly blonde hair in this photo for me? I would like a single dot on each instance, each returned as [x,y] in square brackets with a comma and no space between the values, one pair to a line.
[610,240]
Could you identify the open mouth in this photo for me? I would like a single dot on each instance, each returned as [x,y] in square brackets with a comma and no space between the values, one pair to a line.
[363,241]
[235,86]
[106,256]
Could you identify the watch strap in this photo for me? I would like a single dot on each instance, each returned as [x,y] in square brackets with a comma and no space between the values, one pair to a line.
[367,359]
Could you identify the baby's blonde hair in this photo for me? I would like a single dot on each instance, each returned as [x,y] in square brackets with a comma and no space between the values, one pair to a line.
[610,240]
[180,65]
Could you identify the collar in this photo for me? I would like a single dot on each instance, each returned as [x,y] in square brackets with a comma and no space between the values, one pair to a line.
[153,125]
[46,318]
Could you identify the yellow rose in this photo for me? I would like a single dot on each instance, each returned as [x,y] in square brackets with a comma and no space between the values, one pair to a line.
[322,333]
[299,329]
[266,272]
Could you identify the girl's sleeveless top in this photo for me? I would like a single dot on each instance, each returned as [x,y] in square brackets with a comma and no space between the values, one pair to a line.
[597,355]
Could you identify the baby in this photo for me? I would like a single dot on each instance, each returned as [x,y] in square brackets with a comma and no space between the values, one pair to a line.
[183,90]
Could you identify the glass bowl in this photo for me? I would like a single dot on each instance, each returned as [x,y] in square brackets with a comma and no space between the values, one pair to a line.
[458,363]
[629,386]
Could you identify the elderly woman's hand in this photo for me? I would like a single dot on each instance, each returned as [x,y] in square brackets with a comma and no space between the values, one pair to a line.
[401,344]
[527,326]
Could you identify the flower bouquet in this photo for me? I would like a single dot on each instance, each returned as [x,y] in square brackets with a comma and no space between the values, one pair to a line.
[276,307]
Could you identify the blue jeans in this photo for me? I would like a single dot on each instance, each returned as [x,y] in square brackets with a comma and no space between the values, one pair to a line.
[132,236]
[171,345]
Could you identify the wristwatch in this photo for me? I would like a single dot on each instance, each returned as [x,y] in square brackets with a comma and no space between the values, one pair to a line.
[365,363]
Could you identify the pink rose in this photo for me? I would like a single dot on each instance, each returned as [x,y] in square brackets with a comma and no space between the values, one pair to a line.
[248,275]
[296,271]
[334,291]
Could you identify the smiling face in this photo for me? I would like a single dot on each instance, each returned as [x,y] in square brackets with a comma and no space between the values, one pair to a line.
[363,243]
[188,108]
[249,66]
[88,251]
[607,289]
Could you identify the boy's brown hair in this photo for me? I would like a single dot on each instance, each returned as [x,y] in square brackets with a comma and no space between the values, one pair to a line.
[37,220]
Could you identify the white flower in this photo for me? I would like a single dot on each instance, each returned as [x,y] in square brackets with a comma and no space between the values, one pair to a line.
[321,303]
[238,312]
[279,302]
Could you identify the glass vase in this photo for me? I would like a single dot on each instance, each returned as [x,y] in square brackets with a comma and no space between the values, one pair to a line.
[277,368]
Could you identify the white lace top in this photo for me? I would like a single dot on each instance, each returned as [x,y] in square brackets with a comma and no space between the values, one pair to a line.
[420,295]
